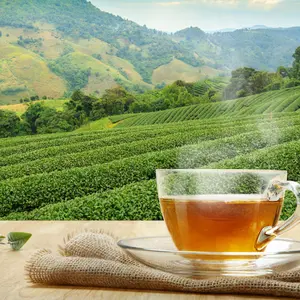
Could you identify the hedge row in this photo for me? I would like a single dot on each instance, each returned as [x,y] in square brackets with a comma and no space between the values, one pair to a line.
[209,110]
[80,146]
[54,138]
[136,201]
[85,145]
[25,194]
[90,136]
[253,140]
[114,152]
[118,118]
[280,157]
[32,155]
[6,151]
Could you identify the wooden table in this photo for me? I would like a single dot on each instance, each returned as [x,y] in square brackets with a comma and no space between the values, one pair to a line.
[48,234]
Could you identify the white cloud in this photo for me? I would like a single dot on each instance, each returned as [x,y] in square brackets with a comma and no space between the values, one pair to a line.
[224,2]
[264,3]
[169,3]
[212,2]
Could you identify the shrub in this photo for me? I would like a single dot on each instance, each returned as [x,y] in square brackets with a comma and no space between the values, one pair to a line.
[136,201]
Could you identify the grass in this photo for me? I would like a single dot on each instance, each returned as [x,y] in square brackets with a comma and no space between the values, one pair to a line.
[177,69]
[104,123]
[20,108]
[24,73]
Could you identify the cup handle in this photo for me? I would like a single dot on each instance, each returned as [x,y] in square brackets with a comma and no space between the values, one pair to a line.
[273,193]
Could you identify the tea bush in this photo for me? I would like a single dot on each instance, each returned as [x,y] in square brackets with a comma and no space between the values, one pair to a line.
[114,152]
[139,200]
[136,201]
[244,106]
[81,145]
[122,136]
[25,194]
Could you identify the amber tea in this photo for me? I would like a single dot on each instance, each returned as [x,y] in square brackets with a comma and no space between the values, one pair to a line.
[210,223]
[214,210]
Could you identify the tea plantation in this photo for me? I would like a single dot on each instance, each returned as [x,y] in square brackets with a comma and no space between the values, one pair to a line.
[110,174]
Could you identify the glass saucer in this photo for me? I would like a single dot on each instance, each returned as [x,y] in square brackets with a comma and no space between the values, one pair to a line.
[160,253]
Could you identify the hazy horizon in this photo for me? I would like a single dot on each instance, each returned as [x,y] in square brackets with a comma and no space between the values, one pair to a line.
[209,15]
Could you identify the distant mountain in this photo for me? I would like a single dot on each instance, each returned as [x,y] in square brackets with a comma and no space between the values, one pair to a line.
[191,33]
[234,29]
[51,47]
[260,27]
[222,30]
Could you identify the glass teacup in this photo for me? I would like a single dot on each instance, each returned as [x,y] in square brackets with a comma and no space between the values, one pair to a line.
[224,210]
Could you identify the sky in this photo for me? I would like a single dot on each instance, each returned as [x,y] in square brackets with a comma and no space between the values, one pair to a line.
[209,15]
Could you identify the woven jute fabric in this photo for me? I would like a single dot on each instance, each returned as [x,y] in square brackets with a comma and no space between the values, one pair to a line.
[94,259]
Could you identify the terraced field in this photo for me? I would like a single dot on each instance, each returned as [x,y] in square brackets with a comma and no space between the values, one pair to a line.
[110,174]
[286,100]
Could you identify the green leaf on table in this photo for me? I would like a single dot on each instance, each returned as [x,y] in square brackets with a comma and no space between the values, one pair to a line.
[2,237]
[18,239]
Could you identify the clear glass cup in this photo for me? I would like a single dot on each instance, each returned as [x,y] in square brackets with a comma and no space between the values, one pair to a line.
[224,210]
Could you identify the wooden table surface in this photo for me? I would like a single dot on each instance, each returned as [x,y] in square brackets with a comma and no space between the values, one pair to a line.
[48,234]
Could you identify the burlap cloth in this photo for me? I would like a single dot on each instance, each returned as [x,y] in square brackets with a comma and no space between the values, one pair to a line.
[94,259]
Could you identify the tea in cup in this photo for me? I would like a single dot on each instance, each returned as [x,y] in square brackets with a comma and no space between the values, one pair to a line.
[223,210]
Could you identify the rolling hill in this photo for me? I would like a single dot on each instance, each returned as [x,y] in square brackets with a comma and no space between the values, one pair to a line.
[50,48]
[109,174]
[20,108]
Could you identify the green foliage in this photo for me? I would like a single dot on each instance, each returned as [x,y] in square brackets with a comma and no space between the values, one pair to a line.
[136,201]
[39,118]
[291,83]
[145,49]
[25,194]
[160,140]
[116,101]
[25,42]
[118,118]
[296,64]
[76,77]
[247,81]
[18,239]
[10,124]
[263,103]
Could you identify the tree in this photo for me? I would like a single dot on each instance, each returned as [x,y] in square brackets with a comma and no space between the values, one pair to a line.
[239,84]
[283,71]
[31,115]
[248,81]
[9,123]
[116,101]
[296,64]
[51,121]
[258,81]
[81,103]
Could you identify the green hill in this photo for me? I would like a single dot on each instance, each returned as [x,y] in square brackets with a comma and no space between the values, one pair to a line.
[49,48]
[109,174]
[20,108]
[286,100]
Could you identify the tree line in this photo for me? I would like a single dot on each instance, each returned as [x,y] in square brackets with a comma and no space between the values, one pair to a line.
[248,81]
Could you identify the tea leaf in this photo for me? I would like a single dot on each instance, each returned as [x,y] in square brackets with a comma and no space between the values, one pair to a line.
[18,239]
